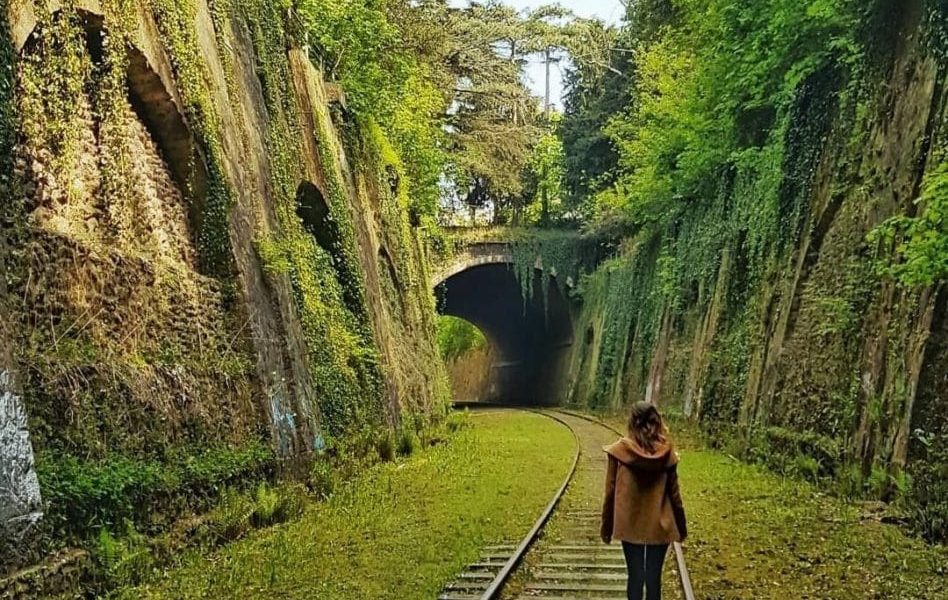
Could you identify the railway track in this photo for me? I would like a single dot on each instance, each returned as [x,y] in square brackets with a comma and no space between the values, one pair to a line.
[562,557]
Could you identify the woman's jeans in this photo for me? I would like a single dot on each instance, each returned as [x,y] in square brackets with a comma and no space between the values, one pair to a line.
[645,569]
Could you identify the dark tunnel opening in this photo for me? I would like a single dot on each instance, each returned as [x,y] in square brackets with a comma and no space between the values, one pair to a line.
[529,337]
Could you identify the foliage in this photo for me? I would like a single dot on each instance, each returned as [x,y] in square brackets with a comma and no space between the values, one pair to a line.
[456,337]
[921,242]
[547,171]
[362,45]
[327,277]
[386,446]
[230,518]
[124,560]
[563,255]
[621,295]
[274,505]
[407,441]
[727,122]
[929,485]
[9,209]
[445,84]
[322,479]
[421,512]
[592,98]
[493,118]
[84,496]
[7,106]
[458,420]
[175,19]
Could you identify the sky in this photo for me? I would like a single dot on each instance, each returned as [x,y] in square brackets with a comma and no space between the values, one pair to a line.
[610,11]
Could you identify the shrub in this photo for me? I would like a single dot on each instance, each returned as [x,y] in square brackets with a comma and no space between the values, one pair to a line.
[407,442]
[322,479]
[386,446]
[230,519]
[123,561]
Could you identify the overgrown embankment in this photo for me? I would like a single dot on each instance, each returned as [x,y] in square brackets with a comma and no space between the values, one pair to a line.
[397,530]
[754,534]
[781,168]
[210,272]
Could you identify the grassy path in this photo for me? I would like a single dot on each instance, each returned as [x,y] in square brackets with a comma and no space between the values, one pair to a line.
[755,535]
[570,561]
[401,530]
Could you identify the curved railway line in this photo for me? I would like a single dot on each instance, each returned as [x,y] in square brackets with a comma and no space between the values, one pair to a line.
[562,557]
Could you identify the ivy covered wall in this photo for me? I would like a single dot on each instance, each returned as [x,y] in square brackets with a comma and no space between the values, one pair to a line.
[205,257]
[776,309]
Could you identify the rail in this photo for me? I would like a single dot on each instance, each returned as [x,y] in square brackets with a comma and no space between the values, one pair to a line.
[684,576]
[510,566]
[495,586]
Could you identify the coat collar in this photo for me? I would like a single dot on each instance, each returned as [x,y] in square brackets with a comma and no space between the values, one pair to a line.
[628,452]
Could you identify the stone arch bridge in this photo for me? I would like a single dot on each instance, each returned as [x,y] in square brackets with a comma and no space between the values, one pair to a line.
[530,337]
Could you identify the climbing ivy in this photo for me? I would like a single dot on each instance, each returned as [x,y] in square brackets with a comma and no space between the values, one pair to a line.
[745,184]
[562,256]
[718,151]
[921,242]
[10,205]
[176,23]
[328,284]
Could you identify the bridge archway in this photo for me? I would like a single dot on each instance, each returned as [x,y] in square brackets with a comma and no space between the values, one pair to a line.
[529,336]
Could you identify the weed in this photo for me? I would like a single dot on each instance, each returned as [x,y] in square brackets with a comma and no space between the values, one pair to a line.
[230,519]
[124,560]
[849,482]
[322,479]
[386,446]
[458,420]
[878,485]
[266,506]
[407,442]
[806,467]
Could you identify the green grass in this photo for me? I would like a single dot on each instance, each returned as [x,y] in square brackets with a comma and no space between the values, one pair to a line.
[758,535]
[399,530]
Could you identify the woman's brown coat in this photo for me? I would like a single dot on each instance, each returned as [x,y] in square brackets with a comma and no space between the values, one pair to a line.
[642,503]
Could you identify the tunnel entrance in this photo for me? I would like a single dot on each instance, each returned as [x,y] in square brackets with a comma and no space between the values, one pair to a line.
[529,337]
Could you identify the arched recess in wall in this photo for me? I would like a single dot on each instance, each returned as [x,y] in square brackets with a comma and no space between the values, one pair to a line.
[313,211]
[155,108]
[158,112]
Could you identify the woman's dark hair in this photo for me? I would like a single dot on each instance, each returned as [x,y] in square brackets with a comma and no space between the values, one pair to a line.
[646,426]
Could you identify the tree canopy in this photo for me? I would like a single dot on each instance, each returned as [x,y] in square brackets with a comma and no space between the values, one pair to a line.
[446,85]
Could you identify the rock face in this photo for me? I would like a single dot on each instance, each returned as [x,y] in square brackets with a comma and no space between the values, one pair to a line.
[205,252]
[470,376]
[803,353]
[20,502]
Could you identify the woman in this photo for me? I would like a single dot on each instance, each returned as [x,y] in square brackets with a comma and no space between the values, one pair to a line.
[643,507]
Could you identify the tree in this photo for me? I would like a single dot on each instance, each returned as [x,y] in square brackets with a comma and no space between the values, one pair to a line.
[491,122]
[547,170]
